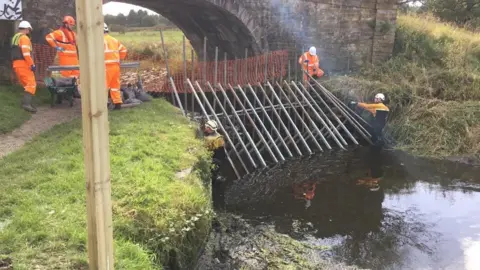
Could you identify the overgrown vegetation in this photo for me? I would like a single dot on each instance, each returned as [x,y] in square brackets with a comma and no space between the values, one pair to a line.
[42,203]
[433,84]
[12,115]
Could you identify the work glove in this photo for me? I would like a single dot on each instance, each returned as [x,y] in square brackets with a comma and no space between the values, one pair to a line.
[306,61]
[60,49]
[353,103]
[33,68]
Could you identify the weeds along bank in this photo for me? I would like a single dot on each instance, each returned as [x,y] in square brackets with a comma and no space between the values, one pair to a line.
[157,218]
[433,83]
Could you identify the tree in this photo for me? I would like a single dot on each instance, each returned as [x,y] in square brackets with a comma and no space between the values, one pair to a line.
[460,12]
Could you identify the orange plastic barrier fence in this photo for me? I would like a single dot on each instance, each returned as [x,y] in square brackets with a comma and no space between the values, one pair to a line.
[271,66]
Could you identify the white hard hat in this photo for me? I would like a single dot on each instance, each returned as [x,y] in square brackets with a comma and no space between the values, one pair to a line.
[312,50]
[380,96]
[24,25]
[212,124]
[105,27]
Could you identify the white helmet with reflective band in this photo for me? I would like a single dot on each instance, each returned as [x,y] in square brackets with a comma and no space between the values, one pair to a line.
[105,27]
[312,50]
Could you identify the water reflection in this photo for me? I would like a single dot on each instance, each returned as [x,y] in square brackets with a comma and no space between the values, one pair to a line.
[376,210]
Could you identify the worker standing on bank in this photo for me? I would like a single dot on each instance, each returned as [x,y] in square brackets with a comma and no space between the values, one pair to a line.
[378,112]
[64,40]
[114,53]
[310,64]
[23,65]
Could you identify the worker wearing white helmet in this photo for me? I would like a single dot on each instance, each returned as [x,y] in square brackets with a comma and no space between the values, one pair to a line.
[114,53]
[310,64]
[377,122]
[23,65]
[214,142]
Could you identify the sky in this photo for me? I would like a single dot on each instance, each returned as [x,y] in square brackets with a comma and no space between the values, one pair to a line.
[114,8]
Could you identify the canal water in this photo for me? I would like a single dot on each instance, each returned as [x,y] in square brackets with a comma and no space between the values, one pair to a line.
[370,209]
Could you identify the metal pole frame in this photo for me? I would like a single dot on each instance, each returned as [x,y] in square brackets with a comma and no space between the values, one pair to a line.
[233,127]
[287,115]
[222,127]
[309,119]
[242,126]
[261,125]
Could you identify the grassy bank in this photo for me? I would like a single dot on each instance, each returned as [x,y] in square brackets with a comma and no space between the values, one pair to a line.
[12,115]
[433,85]
[42,202]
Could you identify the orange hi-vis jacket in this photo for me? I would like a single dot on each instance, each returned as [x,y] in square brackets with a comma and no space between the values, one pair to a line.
[22,62]
[65,39]
[22,51]
[313,63]
[114,52]
[373,107]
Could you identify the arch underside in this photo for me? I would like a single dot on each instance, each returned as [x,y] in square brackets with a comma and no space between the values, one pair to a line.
[200,18]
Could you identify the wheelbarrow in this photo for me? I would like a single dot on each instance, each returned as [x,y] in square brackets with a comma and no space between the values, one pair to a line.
[60,89]
[67,88]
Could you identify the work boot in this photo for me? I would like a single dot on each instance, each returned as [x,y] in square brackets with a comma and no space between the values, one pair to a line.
[118,106]
[27,103]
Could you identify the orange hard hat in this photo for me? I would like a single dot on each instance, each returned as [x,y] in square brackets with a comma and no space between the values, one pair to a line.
[69,20]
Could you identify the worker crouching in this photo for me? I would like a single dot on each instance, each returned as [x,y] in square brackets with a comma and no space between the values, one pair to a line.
[310,65]
[114,53]
[23,65]
[214,142]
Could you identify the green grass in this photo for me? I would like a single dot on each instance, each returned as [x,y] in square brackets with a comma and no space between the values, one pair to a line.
[433,83]
[147,46]
[42,202]
[170,36]
[12,115]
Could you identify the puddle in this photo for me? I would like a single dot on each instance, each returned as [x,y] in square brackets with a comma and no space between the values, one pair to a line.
[422,214]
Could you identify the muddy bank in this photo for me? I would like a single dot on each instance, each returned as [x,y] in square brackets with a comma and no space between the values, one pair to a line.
[237,243]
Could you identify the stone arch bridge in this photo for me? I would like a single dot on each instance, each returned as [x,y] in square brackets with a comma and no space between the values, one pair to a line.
[347,33]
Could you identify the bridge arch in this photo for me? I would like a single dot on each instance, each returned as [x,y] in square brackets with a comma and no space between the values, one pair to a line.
[223,22]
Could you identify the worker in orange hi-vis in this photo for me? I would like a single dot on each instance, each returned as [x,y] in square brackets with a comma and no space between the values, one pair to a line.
[114,53]
[23,65]
[310,64]
[64,40]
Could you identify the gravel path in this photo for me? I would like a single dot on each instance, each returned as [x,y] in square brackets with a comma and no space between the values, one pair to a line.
[43,120]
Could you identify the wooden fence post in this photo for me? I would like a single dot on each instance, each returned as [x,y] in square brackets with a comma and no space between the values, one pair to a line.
[95,134]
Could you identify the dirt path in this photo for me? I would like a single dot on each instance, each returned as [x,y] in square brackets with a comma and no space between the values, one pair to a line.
[43,120]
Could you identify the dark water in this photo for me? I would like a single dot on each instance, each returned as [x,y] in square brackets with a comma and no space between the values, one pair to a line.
[425,215]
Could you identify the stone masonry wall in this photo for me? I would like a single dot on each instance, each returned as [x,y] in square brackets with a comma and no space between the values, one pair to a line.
[347,33]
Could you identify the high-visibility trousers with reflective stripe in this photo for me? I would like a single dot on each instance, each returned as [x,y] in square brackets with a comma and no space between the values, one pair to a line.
[27,78]
[69,60]
[113,82]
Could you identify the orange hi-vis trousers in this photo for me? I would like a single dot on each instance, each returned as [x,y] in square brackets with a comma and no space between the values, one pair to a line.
[113,82]
[27,78]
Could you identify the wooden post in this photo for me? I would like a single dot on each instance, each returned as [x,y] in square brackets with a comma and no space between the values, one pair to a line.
[95,134]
